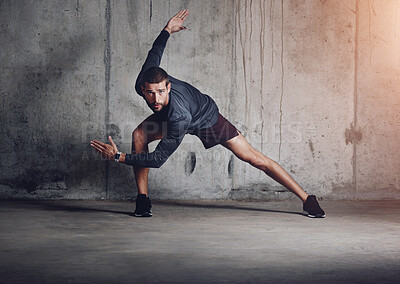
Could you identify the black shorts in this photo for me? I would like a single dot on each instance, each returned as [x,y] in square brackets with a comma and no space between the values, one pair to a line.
[219,133]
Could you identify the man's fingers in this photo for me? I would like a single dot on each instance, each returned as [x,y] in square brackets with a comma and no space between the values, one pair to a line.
[182,14]
[97,148]
[178,15]
[111,141]
[98,142]
[185,14]
[104,149]
[98,145]
[101,151]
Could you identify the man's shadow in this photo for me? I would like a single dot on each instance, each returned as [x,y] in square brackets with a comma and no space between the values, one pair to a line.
[76,207]
[194,204]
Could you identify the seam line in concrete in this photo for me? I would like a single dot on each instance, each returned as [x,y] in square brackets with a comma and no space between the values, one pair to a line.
[355,94]
[262,39]
[107,71]
[282,81]
[233,81]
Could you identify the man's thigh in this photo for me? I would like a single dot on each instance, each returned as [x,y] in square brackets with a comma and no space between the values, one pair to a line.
[152,128]
[219,133]
[241,148]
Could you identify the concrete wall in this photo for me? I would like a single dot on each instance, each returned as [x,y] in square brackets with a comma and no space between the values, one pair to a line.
[312,84]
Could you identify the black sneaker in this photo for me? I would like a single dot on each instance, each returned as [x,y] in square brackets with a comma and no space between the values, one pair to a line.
[143,206]
[312,209]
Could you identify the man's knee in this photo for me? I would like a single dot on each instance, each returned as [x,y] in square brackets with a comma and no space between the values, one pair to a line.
[254,160]
[257,159]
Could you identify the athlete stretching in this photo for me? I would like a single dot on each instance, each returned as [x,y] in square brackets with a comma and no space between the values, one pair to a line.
[181,109]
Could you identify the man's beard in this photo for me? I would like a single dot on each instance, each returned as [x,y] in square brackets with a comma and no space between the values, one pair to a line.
[154,108]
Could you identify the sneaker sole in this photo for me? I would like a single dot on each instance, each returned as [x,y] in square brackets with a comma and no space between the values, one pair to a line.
[313,216]
[146,214]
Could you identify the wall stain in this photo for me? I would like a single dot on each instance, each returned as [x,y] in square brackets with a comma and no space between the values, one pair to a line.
[151,9]
[311,145]
[33,179]
[114,131]
[352,135]
[190,163]
[133,11]
[231,166]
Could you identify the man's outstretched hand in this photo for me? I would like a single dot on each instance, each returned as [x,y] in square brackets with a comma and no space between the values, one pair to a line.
[175,23]
[106,150]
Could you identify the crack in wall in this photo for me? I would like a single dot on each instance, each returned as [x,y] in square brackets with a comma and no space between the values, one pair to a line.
[243,57]
[282,81]
[251,19]
[271,21]
[369,31]
[250,63]
[107,75]
[395,23]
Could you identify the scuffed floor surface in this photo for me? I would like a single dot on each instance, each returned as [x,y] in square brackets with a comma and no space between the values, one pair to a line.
[199,242]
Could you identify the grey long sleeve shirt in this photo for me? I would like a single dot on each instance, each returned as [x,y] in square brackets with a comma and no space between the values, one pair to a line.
[188,110]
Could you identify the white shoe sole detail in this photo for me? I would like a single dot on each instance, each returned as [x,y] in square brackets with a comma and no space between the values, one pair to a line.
[143,215]
[313,216]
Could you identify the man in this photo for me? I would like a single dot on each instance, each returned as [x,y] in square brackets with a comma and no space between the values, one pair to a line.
[181,109]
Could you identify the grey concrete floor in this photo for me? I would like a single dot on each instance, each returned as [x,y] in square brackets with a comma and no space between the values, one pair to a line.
[199,242]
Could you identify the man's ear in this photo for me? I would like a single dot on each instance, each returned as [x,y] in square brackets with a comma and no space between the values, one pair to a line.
[169,87]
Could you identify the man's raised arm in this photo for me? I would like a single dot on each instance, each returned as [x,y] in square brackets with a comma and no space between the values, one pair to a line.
[175,24]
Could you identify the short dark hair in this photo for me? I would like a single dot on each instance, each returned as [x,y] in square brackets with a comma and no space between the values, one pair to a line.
[154,75]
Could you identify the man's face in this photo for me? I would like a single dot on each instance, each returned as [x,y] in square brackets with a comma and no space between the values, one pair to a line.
[156,94]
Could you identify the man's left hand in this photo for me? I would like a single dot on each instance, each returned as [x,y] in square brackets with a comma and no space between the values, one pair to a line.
[106,150]
[175,24]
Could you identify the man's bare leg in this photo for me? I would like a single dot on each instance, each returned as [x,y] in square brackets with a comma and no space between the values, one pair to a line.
[149,130]
[244,151]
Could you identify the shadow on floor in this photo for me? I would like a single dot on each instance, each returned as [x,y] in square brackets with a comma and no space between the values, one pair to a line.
[62,206]
[193,204]
[96,207]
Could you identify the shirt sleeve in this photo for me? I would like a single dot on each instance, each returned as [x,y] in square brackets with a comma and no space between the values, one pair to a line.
[153,57]
[175,133]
